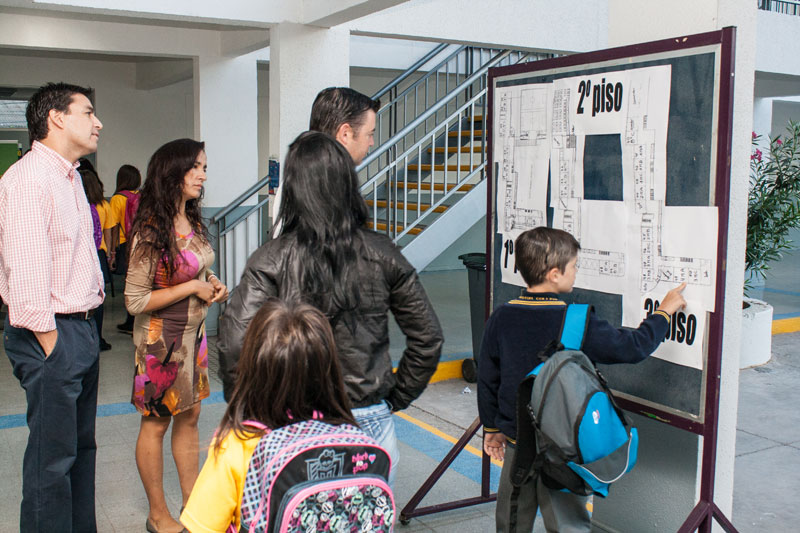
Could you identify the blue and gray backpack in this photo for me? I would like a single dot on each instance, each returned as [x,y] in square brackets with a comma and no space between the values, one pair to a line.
[570,430]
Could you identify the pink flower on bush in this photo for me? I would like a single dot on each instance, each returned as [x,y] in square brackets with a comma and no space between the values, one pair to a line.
[754,135]
[778,142]
[756,155]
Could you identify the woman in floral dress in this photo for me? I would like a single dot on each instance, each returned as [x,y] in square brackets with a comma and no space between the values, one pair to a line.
[169,287]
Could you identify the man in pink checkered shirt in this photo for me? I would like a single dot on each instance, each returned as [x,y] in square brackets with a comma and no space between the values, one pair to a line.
[50,279]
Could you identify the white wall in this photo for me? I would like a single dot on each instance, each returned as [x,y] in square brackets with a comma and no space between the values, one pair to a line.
[783,111]
[135,122]
[777,46]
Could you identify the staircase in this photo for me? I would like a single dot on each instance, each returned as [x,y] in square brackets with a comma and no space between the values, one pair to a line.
[425,184]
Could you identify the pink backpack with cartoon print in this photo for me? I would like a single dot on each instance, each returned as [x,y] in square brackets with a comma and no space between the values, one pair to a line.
[313,476]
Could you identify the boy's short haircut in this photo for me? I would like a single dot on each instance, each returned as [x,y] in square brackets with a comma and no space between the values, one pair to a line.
[541,249]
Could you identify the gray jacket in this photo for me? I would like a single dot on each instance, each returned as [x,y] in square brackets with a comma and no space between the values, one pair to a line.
[388,283]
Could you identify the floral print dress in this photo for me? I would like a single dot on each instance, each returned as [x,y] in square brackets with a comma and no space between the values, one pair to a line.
[171,372]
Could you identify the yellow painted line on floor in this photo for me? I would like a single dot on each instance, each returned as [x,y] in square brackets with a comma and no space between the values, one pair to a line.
[785,325]
[447,370]
[442,435]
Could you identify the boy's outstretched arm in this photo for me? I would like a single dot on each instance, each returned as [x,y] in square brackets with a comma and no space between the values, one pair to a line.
[605,343]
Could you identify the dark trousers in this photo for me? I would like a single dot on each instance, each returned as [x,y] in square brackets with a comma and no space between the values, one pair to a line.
[122,269]
[98,314]
[59,465]
[562,512]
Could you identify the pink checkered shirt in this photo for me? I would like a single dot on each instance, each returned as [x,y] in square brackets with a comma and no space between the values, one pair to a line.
[48,262]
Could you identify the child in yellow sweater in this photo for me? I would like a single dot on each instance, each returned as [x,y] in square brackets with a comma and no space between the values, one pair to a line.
[288,371]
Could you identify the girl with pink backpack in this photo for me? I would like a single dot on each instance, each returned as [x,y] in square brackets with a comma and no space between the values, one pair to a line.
[288,455]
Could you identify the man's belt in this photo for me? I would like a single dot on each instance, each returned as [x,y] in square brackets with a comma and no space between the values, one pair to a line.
[83,315]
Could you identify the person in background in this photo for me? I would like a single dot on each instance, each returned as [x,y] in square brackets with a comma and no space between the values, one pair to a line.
[325,256]
[169,287]
[348,116]
[129,179]
[51,280]
[102,226]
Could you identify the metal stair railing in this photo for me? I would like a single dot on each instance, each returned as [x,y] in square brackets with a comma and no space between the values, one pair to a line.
[384,180]
[400,221]
[786,7]
[437,83]
[392,85]
[237,238]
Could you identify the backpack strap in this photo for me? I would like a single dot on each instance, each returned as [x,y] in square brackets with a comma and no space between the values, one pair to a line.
[573,329]
[256,424]
[525,451]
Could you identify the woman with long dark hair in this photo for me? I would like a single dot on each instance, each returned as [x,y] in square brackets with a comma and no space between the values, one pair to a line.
[325,256]
[168,288]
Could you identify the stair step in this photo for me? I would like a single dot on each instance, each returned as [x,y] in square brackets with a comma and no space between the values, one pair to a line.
[410,206]
[465,133]
[462,149]
[477,118]
[436,186]
[381,226]
[451,168]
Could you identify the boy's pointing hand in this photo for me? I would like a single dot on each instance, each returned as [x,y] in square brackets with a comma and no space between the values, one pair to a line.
[674,300]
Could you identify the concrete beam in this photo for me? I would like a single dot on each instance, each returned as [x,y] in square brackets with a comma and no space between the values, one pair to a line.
[536,25]
[236,43]
[326,14]
[50,33]
[771,85]
[241,12]
[156,74]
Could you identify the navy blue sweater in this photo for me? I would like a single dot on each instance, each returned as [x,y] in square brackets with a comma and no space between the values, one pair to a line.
[516,333]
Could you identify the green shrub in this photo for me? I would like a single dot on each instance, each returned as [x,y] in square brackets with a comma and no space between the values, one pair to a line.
[773,201]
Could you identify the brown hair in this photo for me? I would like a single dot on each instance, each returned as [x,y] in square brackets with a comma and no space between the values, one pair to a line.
[288,369]
[335,106]
[539,250]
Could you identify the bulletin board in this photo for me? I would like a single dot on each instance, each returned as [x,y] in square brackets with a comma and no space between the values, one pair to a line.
[628,150]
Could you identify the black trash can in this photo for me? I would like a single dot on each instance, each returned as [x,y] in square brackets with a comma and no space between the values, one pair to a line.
[476,274]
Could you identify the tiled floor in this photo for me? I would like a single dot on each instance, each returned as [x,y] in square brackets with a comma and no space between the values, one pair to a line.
[768,438]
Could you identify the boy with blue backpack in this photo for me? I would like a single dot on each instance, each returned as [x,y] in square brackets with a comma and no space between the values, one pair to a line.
[516,334]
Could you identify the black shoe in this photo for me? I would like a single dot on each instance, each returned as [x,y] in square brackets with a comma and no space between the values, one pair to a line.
[104,346]
[125,328]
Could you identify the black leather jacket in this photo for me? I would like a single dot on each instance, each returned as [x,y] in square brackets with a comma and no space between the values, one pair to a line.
[389,283]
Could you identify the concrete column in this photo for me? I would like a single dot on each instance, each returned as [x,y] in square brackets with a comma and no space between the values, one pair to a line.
[742,14]
[303,61]
[225,99]
[225,117]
